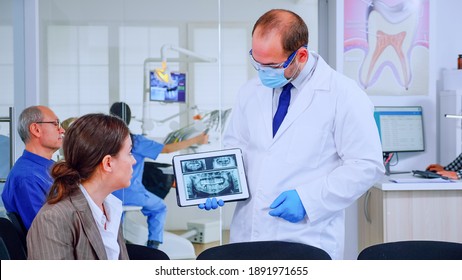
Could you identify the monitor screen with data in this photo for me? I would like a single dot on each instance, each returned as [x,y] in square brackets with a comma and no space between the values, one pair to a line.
[400,128]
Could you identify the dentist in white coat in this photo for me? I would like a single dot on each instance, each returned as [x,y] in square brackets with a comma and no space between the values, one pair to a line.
[325,154]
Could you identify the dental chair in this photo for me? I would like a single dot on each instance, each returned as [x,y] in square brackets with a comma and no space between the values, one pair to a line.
[136,232]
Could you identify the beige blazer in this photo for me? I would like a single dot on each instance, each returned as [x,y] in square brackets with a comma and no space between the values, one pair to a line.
[67,230]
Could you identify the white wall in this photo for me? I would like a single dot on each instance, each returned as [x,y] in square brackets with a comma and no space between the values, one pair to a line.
[445,45]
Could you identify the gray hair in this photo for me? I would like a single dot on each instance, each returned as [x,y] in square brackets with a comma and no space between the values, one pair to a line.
[29,116]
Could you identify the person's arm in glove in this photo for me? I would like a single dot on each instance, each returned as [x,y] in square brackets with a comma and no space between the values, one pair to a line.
[288,206]
[211,204]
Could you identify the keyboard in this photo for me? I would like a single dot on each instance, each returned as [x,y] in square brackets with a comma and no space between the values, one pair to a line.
[428,174]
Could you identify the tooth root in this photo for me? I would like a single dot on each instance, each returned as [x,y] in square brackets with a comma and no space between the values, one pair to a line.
[379,55]
[383,41]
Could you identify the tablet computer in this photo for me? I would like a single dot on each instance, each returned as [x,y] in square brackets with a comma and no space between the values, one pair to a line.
[205,175]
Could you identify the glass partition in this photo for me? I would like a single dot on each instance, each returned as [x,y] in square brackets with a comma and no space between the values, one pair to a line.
[6,89]
[95,53]
[6,146]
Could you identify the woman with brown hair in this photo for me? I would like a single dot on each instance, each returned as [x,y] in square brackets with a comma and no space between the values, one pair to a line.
[81,219]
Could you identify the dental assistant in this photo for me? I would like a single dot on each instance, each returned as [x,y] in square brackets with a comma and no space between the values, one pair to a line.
[305,171]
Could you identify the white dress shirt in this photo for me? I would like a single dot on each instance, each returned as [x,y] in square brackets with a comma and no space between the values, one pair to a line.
[108,225]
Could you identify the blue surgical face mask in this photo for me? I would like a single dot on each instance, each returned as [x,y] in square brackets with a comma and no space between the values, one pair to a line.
[273,78]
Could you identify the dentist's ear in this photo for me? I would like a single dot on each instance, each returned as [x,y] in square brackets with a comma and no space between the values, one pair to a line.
[303,55]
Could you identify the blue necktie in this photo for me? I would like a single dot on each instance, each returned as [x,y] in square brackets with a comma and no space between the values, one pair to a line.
[284,101]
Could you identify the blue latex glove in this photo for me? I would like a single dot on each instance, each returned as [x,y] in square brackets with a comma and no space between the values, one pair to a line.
[211,204]
[288,206]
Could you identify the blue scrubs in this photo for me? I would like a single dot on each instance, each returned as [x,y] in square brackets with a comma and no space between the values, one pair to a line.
[27,186]
[154,207]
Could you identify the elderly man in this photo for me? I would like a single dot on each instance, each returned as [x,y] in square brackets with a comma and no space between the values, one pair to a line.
[29,180]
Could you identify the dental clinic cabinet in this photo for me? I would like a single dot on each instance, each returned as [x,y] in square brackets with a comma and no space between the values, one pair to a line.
[391,212]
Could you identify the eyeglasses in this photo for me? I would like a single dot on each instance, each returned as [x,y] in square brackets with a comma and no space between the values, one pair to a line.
[56,123]
[258,66]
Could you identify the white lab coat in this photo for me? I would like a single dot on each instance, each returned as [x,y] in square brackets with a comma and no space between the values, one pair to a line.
[327,148]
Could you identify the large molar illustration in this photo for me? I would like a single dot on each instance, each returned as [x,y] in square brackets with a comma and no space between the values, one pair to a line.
[391,40]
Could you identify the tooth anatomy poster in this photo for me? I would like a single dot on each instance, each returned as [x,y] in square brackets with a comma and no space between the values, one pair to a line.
[386,45]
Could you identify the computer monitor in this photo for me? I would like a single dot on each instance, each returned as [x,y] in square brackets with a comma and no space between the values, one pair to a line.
[400,128]
[172,91]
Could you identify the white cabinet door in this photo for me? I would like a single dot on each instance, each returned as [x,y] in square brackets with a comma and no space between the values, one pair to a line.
[388,216]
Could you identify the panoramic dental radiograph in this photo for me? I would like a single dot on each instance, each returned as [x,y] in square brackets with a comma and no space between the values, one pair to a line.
[215,176]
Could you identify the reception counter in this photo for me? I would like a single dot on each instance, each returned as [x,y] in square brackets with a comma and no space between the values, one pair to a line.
[414,209]
[408,182]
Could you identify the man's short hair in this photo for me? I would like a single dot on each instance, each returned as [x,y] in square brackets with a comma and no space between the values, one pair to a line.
[27,117]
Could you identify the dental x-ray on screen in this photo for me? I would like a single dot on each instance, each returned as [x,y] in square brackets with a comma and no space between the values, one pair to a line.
[173,89]
[205,175]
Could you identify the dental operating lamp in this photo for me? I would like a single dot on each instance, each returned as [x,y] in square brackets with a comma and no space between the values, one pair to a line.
[164,73]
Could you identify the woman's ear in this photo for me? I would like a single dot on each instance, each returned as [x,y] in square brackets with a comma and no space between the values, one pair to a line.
[107,163]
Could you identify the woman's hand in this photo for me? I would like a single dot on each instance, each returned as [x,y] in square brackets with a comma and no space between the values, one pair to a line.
[435,167]
[450,174]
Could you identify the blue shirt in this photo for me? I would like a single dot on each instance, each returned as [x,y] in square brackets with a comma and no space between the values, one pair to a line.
[27,186]
[142,148]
